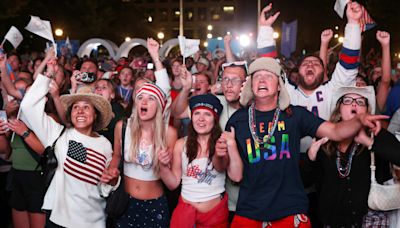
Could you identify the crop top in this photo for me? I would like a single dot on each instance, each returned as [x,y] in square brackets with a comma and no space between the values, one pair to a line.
[200,181]
[143,168]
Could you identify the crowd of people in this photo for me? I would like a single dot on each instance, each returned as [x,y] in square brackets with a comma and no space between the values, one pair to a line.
[222,141]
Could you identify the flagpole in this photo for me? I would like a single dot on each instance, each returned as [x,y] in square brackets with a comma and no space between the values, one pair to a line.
[18,115]
[4,40]
[258,14]
[181,18]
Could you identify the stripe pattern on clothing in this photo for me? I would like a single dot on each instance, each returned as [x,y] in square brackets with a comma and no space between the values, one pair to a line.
[348,58]
[83,163]
[267,52]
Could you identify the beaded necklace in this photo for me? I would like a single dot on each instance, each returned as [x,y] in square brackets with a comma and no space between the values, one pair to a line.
[344,171]
[253,129]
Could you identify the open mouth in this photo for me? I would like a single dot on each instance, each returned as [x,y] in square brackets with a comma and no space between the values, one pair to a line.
[309,73]
[143,111]
[353,111]
[80,119]
[262,88]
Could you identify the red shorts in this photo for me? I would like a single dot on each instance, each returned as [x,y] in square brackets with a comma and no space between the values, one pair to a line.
[185,215]
[299,220]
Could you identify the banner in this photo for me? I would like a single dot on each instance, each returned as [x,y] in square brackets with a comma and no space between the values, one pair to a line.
[289,38]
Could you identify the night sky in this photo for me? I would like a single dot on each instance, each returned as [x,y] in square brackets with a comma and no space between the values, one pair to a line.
[84,19]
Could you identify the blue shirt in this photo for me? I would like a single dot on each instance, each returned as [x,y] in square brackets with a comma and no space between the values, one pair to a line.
[272,188]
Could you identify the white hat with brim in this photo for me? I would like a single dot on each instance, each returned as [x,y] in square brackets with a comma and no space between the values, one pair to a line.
[100,104]
[204,62]
[271,65]
[365,91]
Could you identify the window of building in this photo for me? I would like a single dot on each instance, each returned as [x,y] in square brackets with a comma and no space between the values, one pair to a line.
[150,13]
[176,14]
[188,14]
[215,14]
[229,13]
[164,14]
[202,14]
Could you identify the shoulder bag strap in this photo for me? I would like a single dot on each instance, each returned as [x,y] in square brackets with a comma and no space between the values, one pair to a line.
[373,167]
[121,162]
[52,146]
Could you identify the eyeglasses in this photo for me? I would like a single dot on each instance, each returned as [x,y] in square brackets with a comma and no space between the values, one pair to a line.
[242,64]
[312,62]
[360,101]
[234,81]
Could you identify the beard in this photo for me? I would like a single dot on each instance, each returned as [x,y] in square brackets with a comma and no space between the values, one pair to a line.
[311,86]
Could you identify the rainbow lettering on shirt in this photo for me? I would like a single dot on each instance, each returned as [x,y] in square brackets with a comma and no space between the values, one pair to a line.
[269,150]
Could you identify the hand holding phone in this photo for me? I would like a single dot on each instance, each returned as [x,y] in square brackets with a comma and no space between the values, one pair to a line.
[3,122]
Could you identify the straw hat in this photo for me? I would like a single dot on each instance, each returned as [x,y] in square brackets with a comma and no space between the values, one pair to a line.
[100,104]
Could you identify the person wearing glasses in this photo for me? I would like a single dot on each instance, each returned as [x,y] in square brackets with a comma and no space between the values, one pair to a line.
[268,134]
[341,170]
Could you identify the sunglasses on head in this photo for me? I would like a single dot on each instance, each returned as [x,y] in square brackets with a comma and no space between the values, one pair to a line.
[242,64]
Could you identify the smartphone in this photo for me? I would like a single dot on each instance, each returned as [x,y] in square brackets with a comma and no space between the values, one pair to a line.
[3,115]
[150,66]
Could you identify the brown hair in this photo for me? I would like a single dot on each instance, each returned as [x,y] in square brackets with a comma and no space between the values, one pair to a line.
[192,145]
[331,147]
[96,123]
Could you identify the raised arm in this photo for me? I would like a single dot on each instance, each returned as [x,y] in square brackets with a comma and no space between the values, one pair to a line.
[162,79]
[55,94]
[50,54]
[265,42]
[5,79]
[384,87]
[181,102]
[228,50]
[32,109]
[153,46]
[347,68]
[326,37]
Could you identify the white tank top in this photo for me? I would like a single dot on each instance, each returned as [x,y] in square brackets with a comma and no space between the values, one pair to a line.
[143,168]
[200,181]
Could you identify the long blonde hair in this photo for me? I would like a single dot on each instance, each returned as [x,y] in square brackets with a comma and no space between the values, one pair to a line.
[158,138]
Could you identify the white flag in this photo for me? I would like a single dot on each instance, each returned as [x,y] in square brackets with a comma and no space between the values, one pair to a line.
[14,36]
[188,46]
[68,43]
[40,27]
[339,7]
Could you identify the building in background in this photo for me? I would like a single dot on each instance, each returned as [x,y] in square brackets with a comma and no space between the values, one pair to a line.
[202,19]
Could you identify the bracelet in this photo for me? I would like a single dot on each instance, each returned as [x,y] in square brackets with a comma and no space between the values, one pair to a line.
[26,134]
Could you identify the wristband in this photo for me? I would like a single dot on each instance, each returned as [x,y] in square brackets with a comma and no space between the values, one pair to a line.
[26,134]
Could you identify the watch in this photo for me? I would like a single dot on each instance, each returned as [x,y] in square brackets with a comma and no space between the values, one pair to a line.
[26,134]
